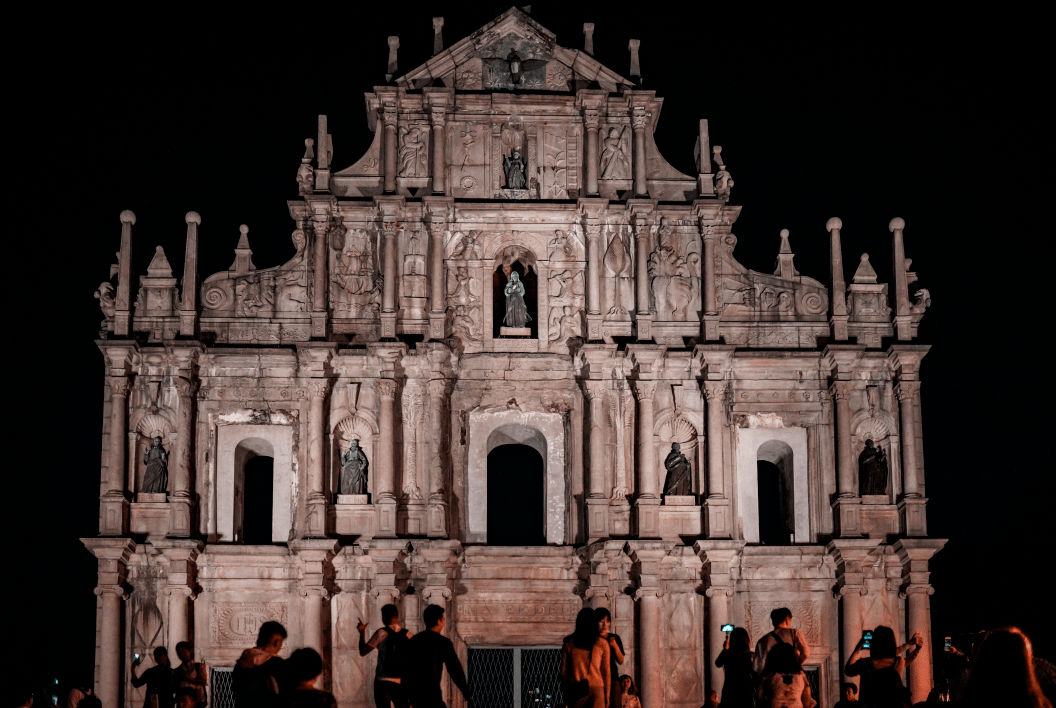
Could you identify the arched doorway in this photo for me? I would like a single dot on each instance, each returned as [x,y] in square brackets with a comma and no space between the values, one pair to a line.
[498,296]
[258,500]
[776,494]
[516,497]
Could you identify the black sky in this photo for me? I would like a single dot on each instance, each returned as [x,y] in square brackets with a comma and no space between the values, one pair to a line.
[865,115]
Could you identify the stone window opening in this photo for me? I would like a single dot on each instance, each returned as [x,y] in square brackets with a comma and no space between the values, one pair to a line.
[500,277]
[776,494]
[516,496]
[254,498]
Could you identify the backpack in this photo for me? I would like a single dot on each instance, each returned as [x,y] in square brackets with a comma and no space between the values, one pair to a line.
[392,654]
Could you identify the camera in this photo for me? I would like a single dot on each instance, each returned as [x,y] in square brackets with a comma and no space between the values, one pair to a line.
[868,639]
[727,628]
[947,644]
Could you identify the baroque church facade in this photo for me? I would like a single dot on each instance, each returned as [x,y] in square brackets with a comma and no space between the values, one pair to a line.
[697,443]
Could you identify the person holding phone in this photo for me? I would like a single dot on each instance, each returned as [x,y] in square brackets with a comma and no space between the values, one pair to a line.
[616,655]
[881,671]
[158,679]
[735,660]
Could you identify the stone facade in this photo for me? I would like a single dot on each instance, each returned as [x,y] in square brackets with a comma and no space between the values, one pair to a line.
[645,331]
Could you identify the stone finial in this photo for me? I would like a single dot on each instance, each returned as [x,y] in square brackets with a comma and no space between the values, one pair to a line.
[159,265]
[193,218]
[243,240]
[833,223]
[438,36]
[394,44]
[716,155]
[127,217]
[309,150]
[897,224]
[588,38]
[785,248]
[865,272]
[636,69]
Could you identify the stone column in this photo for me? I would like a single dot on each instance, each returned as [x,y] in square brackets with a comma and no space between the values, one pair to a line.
[717,506]
[385,483]
[851,557]
[639,120]
[113,555]
[839,285]
[321,227]
[181,555]
[841,393]
[115,468]
[436,117]
[437,524]
[646,556]
[597,497]
[189,306]
[915,555]
[594,267]
[388,293]
[388,116]
[182,497]
[316,501]
[122,309]
[648,502]
[643,313]
[710,237]
[436,266]
[907,392]
[592,120]
[314,556]
[903,317]
[717,558]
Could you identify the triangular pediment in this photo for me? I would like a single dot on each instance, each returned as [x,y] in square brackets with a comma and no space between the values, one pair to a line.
[478,62]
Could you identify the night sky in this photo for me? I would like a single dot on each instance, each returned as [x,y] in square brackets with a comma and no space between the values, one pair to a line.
[863,116]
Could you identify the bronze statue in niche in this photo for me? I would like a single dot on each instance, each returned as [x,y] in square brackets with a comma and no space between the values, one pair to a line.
[353,470]
[679,473]
[156,477]
[872,470]
[513,166]
[516,311]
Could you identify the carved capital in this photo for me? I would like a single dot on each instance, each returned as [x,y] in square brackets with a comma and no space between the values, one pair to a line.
[386,388]
[322,226]
[388,115]
[915,590]
[710,233]
[841,390]
[719,591]
[318,388]
[437,387]
[651,591]
[595,390]
[436,591]
[645,390]
[436,117]
[389,592]
[177,590]
[593,232]
[714,391]
[592,119]
[314,591]
[849,590]
[597,592]
[639,119]
[119,385]
[185,388]
[907,390]
[111,590]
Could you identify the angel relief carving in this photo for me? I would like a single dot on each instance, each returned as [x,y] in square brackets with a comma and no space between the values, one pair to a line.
[674,273]
[413,143]
[566,305]
[463,305]
[615,163]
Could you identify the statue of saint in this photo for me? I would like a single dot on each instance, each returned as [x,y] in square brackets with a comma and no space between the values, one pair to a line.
[679,473]
[156,478]
[872,470]
[353,470]
[513,166]
[516,312]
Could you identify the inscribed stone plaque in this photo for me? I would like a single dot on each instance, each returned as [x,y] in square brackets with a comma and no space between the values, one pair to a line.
[806,617]
[235,624]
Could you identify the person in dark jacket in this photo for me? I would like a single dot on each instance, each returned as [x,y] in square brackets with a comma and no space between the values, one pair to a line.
[391,643]
[258,671]
[158,679]
[735,660]
[302,671]
[427,655]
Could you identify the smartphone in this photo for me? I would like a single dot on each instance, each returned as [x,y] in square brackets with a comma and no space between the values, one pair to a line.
[135,657]
[727,628]
[947,644]
[868,640]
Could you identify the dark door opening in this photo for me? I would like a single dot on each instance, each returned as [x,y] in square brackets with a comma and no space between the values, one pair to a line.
[258,500]
[516,499]
[774,512]
[498,297]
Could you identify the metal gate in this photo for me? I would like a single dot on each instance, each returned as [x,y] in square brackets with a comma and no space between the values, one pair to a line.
[515,677]
[814,681]
[221,687]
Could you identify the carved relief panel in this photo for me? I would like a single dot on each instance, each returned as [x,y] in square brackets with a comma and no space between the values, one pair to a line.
[355,276]
[675,271]
[617,272]
[466,174]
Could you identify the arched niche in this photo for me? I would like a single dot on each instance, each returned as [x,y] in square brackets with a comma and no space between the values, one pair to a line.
[141,438]
[543,432]
[679,428]
[879,431]
[776,489]
[237,444]
[751,448]
[500,277]
[364,431]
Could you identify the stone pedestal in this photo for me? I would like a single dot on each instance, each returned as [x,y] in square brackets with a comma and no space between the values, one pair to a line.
[679,516]
[644,327]
[847,517]
[436,326]
[352,515]
[717,521]
[597,518]
[619,518]
[149,514]
[385,522]
[515,331]
[912,516]
[413,519]
[648,514]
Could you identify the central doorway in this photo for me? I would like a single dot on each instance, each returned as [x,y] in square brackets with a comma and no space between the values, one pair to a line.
[516,497]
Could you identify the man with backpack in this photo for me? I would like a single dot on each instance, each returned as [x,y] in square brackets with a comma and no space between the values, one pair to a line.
[391,643]
[783,633]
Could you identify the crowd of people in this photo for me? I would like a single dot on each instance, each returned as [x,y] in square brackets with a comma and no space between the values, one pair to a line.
[986,669]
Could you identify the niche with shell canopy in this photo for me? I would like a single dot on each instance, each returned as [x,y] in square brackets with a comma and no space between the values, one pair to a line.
[147,428]
[877,430]
[362,429]
[678,429]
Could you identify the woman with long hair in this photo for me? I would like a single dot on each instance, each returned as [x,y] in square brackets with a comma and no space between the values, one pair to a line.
[1003,675]
[616,655]
[735,660]
[585,678]
[628,694]
[881,671]
[784,683]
